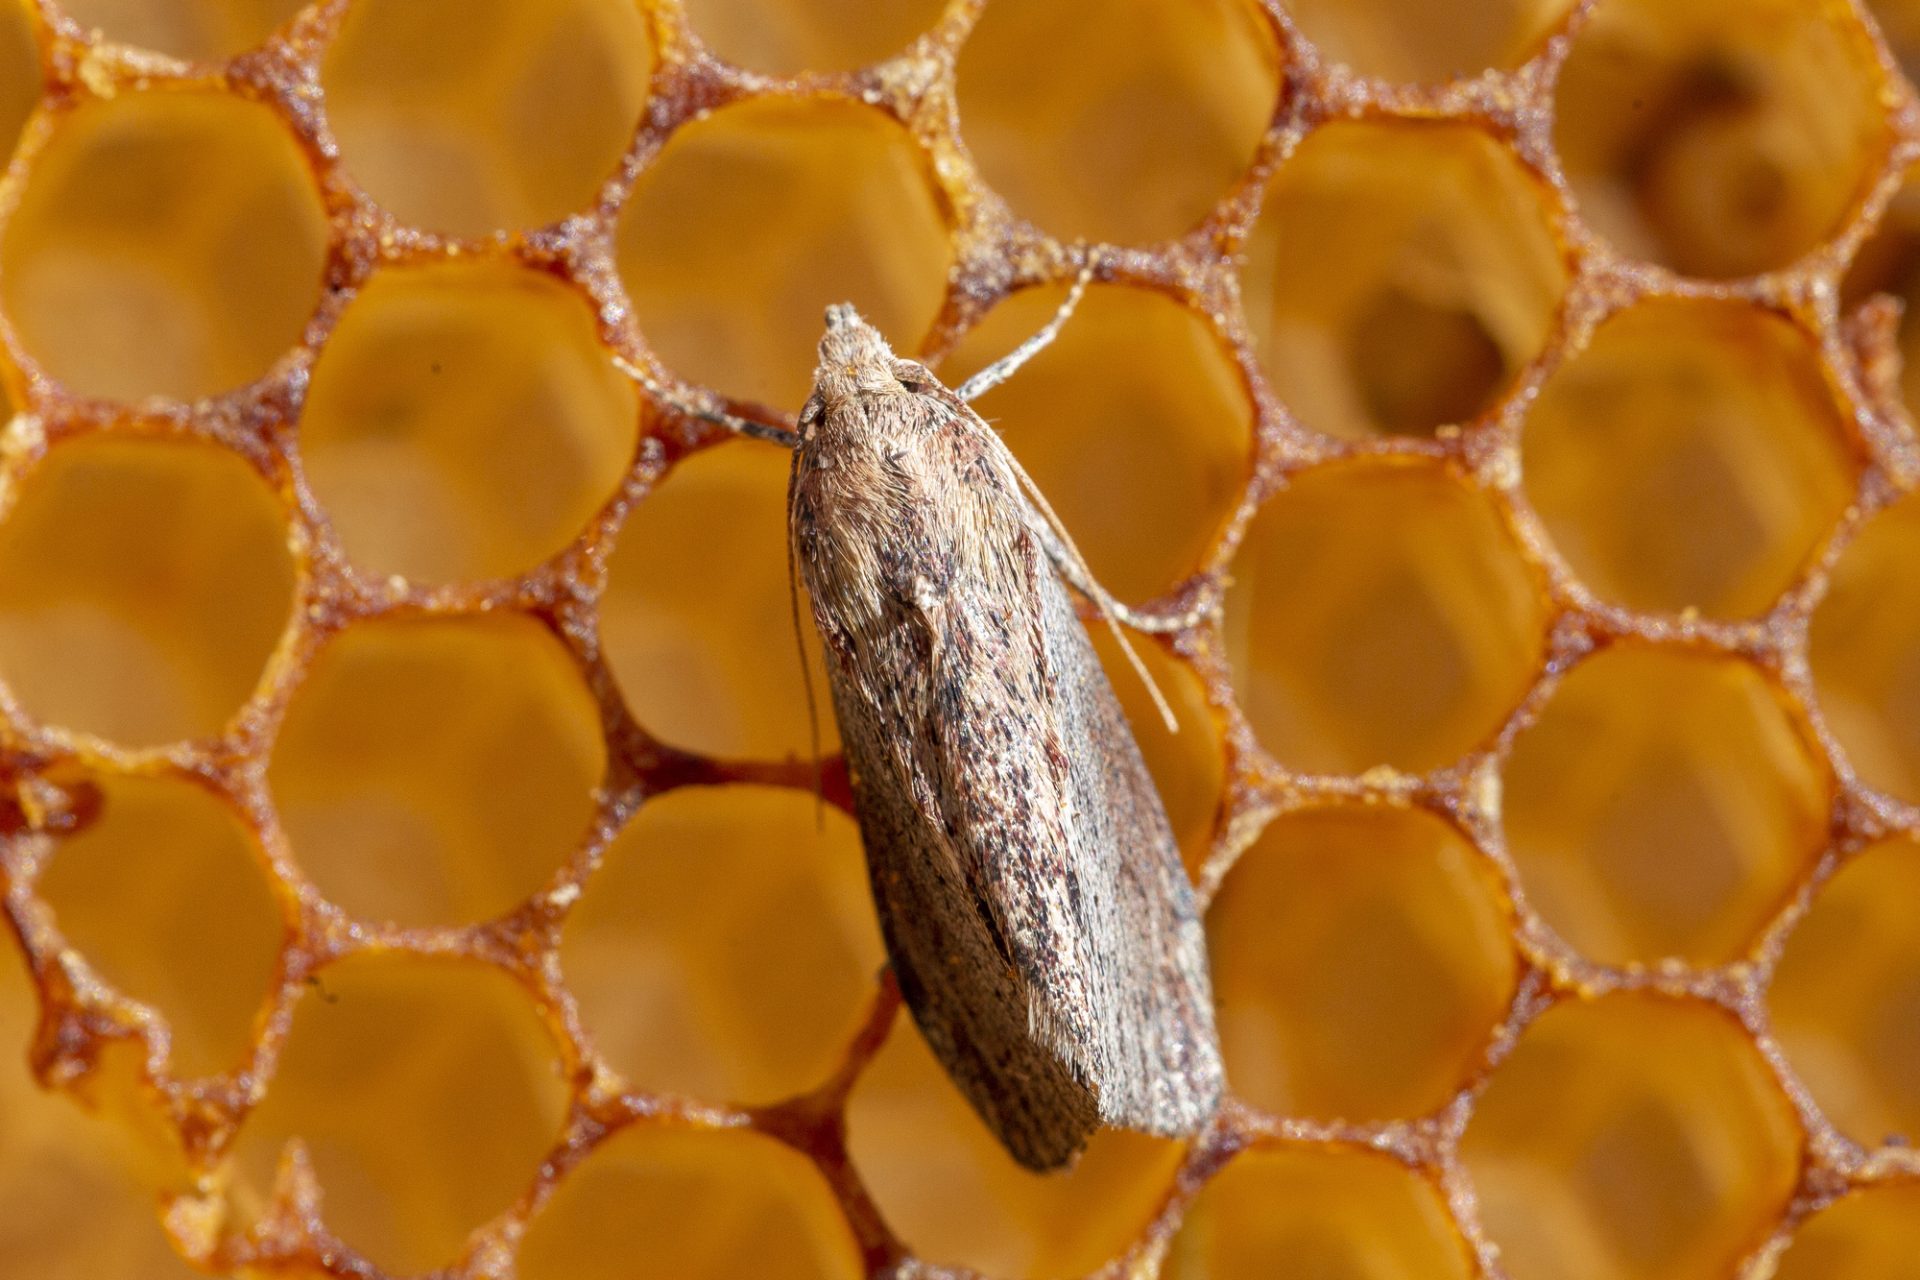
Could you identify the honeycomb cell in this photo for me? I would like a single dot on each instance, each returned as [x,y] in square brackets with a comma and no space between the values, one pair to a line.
[944,1183]
[1692,457]
[1410,41]
[755,218]
[709,661]
[1864,646]
[143,585]
[1188,767]
[1846,998]
[793,36]
[1135,424]
[464,422]
[1663,805]
[164,895]
[1380,614]
[391,1062]
[1329,1214]
[200,30]
[469,117]
[1360,964]
[437,771]
[669,1204]
[19,75]
[1868,1235]
[167,243]
[726,949]
[1721,138]
[1119,120]
[1631,1138]
[72,1182]
[1398,277]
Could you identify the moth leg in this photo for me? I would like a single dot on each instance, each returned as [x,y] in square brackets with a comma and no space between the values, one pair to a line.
[1009,364]
[732,422]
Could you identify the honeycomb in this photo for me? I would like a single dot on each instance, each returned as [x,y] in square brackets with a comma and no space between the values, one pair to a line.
[409,822]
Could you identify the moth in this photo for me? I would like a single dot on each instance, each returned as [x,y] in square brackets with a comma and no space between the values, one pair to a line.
[1036,913]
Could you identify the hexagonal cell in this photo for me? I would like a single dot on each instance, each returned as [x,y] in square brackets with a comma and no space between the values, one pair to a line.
[1117,120]
[1869,1235]
[1135,424]
[1721,138]
[1361,962]
[1692,457]
[1664,804]
[20,84]
[200,30]
[1631,1137]
[1399,276]
[708,661]
[1846,998]
[143,585]
[945,1184]
[1889,262]
[672,1204]
[464,422]
[78,1191]
[1189,767]
[165,896]
[793,36]
[733,298]
[466,117]
[1410,41]
[390,1062]
[726,949]
[1327,1213]
[1864,647]
[437,771]
[1381,613]
[167,243]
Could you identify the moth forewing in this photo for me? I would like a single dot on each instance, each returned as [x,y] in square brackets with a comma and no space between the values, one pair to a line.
[1031,894]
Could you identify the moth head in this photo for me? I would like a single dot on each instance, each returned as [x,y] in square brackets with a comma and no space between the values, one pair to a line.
[854,359]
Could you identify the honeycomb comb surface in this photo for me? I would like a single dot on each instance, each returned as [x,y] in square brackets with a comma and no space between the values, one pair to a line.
[407,821]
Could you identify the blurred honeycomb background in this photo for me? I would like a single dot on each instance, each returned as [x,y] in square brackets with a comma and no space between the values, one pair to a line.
[407,820]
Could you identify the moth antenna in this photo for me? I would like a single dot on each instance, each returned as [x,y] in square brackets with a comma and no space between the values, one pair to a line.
[806,683]
[733,422]
[1009,364]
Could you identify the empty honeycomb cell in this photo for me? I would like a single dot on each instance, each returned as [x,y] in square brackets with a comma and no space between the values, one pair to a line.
[1664,804]
[794,36]
[669,1204]
[1864,645]
[1380,614]
[709,660]
[469,117]
[1320,1212]
[19,75]
[425,1093]
[726,948]
[1135,424]
[1846,998]
[1869,1235]
[1692,457]
[1721,138]
[755,218]
[1122,120]
[1361,962]
[944,1183]
[1188,767]
[202,30]
[165,897]
[1889,262]
[167,243]
[1631,1138]
[143,585]
[1410,41]
[1398,277]
[72,1182]
[437,771]
[464,422]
